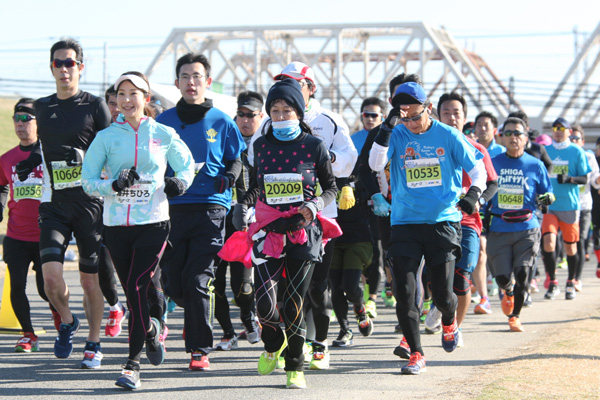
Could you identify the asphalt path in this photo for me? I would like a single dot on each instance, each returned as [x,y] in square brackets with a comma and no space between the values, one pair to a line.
[367,370]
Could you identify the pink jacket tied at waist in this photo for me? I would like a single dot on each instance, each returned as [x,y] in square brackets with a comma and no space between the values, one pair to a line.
[239,246]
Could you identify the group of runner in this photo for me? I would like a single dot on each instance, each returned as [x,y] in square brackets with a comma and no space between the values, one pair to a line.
[168,201]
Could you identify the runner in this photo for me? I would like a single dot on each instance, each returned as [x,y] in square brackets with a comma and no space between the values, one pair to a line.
[198,217]
[569,169]
[427,159]
[514,236]
[289,229]
[67,123]
[452,108]
[585,198]
[248,119]
[134,152]
[331,128]
[372,114]
[21,243]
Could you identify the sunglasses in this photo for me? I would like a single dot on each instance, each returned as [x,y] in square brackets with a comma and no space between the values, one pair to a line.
[69,63]
[415,118]
[574,138]
[468,131]
[23,118]
[559,128]
[510,133]
[247,115]
[373,115]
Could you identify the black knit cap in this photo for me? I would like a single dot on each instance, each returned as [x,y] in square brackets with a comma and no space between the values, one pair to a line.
[290,91]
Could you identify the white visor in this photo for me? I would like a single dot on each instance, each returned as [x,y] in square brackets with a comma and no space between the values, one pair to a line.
[137,81]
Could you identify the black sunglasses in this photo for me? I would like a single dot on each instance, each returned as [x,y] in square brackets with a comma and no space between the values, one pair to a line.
[247,115]
[69,63]
[510,133]
[23,118]
[373,115]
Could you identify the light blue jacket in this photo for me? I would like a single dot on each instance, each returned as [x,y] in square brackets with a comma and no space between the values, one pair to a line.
[149,149]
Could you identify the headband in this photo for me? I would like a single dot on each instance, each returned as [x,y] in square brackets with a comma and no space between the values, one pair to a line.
[137,81]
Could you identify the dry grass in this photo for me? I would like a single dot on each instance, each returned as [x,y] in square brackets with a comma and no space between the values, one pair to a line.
[563,364]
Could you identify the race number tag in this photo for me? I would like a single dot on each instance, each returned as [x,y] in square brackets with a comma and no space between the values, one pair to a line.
[29,189]
[138,194]
[559,167]
[510,198]
[283,188]
[424,172]
[65,177]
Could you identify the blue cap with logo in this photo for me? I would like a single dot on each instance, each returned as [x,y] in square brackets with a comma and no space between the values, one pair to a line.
[409,93]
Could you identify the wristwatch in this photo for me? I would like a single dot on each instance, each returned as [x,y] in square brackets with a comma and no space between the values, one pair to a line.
[482,201]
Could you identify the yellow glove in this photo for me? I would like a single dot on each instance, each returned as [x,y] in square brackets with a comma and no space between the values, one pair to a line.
[347,198]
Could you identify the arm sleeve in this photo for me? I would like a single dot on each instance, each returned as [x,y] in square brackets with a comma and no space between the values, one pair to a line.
[234,168]
[366,176]
[490,190]
[326,177]
[595,172]
[4,190]
[344,150]
[36,154]
[478,176]
[378,157]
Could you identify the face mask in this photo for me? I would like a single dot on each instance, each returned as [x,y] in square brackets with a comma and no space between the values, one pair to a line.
[286,130]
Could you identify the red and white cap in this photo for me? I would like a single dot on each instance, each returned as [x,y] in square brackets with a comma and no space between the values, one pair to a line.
[298,71]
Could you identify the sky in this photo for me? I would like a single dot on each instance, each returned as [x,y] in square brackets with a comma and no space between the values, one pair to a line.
[531,41]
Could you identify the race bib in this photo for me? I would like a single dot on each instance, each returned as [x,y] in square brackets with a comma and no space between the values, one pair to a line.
[29,189]
[559,167]
[65,177]
[424,172]
[510,198]
[138,194]
[581,189]
[283,188]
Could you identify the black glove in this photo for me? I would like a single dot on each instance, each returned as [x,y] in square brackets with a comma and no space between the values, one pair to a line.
[284,225]
[467,203]
[392,119]
[223,182]
[240,217]
[563,178]
[74,157]
[546,199]
[125,179]
[174,187]
[24,168]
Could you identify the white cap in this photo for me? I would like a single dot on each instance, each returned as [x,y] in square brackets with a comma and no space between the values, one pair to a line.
[137,81]
[298,71]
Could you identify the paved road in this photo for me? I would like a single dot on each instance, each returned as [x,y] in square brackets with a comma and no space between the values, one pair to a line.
[368,370]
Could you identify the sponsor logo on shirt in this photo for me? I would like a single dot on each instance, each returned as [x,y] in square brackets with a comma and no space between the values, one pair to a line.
[212,134]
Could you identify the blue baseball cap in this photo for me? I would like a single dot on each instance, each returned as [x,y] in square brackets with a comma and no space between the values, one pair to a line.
[409,93]
[563,122]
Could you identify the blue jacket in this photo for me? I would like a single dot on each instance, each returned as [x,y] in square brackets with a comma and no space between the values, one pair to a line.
[149,149]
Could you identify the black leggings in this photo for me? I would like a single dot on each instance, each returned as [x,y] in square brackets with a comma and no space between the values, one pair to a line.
[106,277]
[267,277]
[18,255]
[522,277]
[136,251]
[320,296]
[243,293]
[345,288]
[406,272]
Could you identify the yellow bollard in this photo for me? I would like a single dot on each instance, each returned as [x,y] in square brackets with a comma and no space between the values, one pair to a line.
[8,320]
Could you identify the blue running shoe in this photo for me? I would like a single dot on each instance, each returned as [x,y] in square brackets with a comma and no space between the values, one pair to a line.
[450,336]
[92,356]
[416,365]
[63,346]
[155,350]
[130,376]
